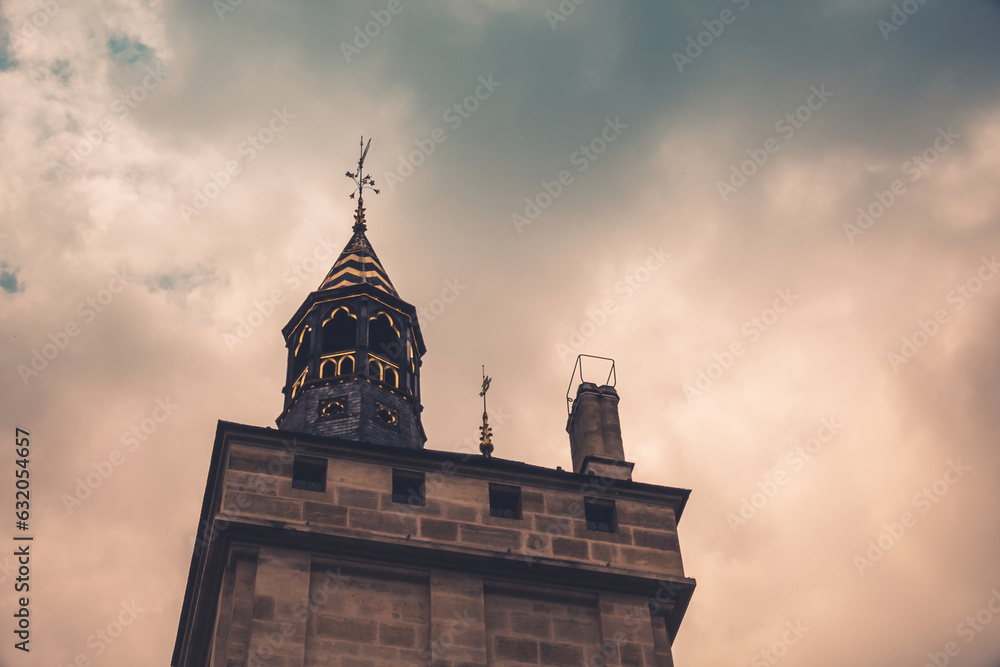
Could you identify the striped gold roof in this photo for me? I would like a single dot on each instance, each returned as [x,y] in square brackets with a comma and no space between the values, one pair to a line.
[358,264]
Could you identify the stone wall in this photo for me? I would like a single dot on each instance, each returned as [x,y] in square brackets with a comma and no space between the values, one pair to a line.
[358,502]
[296,609]
[369,616]
[293,606]
[541,628]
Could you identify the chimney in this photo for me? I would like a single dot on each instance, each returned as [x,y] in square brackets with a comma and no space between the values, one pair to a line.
[595,433]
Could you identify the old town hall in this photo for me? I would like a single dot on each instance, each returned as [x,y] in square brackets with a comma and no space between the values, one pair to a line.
[339,539]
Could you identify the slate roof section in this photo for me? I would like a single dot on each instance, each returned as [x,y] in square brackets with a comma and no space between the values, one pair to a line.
[358,264]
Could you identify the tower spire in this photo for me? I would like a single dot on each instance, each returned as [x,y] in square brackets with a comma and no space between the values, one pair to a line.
[486,437]
[363,181]
[355,348]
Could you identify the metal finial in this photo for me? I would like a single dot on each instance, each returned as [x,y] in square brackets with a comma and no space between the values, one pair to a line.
[486,434]
[362,180]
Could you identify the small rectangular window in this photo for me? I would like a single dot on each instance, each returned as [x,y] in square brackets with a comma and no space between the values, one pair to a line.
[600,515]
[505,501]
[407,487]
[309,473]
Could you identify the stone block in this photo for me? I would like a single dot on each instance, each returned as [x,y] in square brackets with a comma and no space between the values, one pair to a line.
[267,507]
[362,630]
[569,548]
[532,501]
[263,608]
[533,625]
[521,650]
[256,460]
[652,517]
[554,526]
[655,539]
[496,538]
[363,498]
[402,636]
[324,514]
[461,512]
[561,654]
[378,522]
[602,552]
[444,531]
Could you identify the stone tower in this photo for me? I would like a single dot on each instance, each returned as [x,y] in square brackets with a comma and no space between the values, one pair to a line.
[338,539]
[354,350]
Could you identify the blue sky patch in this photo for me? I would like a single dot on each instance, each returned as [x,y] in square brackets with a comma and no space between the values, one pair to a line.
[125,51]
[8,281]
[61,69]
[7,61]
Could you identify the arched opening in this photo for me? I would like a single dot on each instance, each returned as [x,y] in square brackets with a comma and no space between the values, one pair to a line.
[340,331]
[302,349]
[391,377]
[297,386]
[336,364]
[346,365]
[383,337]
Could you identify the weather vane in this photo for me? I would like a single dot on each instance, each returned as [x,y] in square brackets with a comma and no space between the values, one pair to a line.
[363,181]
[486,434]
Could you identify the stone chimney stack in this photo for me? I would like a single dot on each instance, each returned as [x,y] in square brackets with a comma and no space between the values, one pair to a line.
[595,433]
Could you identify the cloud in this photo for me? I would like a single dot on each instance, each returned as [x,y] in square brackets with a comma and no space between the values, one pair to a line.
[147,104]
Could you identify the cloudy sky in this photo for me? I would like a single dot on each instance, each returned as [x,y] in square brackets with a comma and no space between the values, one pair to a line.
[780,220]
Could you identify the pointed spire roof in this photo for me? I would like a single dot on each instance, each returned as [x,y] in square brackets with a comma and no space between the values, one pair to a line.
[358,264]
